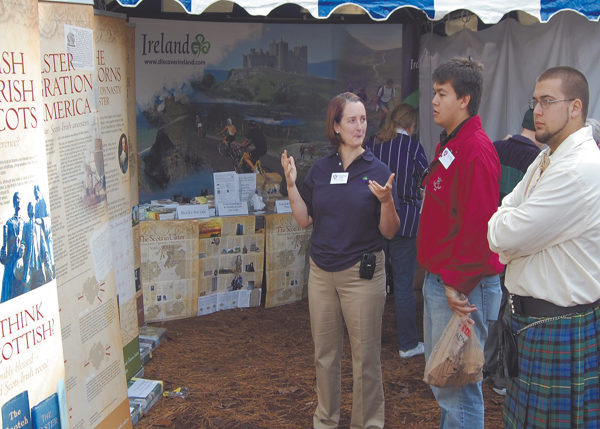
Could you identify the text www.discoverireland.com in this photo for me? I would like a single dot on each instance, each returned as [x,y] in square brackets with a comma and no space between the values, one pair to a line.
[177,62]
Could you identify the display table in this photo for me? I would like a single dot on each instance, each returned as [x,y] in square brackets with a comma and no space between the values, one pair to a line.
[195,267]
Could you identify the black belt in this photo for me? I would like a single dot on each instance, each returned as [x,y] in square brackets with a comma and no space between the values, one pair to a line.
[527,306]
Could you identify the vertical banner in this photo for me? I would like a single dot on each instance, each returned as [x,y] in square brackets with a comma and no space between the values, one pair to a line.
[131,347]
[410,64]
[95,380]
[112,63]
[286,267]
[32,373]
[111,35]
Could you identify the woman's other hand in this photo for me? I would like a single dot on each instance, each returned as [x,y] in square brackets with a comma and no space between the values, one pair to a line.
[383,193]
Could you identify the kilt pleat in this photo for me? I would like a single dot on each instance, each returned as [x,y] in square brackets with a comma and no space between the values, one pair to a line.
[558,384]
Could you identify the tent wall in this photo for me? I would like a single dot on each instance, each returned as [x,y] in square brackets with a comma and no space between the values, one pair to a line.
[513,56]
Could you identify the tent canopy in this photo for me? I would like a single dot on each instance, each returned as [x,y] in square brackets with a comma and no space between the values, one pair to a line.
[489,12]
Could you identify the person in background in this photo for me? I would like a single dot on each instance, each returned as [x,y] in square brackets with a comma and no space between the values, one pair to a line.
[396,147]
[595,124]
[461,193]
[229,131]
[351,213]
[384,101]
[516,153]
[547,231]
[256,138]
[199,131]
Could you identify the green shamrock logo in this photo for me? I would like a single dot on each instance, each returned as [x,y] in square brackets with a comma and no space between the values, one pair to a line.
[200,45]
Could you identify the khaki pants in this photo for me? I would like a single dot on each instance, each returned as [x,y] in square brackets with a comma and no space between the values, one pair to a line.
[335,297]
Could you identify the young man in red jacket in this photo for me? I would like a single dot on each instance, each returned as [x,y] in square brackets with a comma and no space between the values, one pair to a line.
[461,194]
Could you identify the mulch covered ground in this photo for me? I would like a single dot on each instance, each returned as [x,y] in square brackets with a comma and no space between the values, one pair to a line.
[253,368]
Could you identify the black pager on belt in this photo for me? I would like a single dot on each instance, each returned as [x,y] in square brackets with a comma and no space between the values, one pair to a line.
[367,266]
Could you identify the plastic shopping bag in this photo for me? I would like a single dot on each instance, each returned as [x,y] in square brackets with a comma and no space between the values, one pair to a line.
[457,358]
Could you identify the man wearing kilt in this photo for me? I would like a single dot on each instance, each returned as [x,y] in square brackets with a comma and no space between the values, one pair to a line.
[547,231]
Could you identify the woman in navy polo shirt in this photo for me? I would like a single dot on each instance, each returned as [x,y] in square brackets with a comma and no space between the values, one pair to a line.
[351,213]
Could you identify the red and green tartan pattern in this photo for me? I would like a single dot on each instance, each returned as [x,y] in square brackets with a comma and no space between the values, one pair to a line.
[558,384]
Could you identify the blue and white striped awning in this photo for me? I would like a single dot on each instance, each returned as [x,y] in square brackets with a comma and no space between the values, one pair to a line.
[488,11]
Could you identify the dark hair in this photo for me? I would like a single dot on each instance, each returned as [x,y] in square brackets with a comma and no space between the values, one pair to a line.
[335,109]
[464,74]
[573,84]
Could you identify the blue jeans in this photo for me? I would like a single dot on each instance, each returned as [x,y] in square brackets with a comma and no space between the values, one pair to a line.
[461,406]
[401,253]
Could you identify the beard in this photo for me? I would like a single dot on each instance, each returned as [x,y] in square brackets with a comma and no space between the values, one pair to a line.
[546,136]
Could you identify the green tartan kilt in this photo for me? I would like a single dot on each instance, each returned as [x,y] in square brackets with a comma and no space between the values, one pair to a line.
[558,384]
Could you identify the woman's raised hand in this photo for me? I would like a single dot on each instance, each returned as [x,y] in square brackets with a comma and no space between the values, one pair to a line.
[289,168]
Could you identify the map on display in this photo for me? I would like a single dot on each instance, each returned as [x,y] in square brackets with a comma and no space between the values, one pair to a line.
[286,267]
[169,269]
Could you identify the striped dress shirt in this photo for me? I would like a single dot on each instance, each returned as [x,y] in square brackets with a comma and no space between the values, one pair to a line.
[405,156]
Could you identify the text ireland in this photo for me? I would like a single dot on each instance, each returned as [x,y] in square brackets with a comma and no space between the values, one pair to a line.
[165,46]
[200,45]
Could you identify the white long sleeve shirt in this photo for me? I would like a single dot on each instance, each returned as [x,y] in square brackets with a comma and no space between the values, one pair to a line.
[547,230]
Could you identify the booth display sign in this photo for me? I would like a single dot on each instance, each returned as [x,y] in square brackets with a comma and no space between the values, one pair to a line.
[207,92]
[287,253]
[78,173]
[32,369]
[169,269]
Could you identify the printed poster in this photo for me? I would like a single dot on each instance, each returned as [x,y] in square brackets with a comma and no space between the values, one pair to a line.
[231,256]
[271,82]
[169,270]
[112,65]
[31,360]
[287,264]
[95,374]
[130,310]
[133,169]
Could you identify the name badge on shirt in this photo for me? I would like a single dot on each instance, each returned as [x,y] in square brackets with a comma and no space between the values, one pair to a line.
[339,178]
[446,158]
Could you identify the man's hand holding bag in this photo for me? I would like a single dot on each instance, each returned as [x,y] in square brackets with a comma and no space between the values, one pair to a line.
[457,358]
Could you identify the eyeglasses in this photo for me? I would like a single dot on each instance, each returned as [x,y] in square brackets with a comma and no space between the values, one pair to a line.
[545,102]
